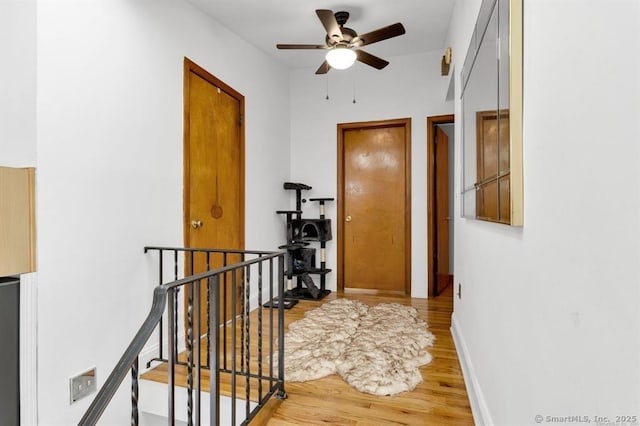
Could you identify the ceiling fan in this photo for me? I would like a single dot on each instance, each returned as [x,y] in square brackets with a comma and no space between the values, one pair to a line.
[344,43]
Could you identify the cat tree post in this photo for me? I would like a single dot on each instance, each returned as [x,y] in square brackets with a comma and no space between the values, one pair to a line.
[301,232]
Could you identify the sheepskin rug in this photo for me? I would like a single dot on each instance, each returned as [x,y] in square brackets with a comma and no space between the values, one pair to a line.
[377,350]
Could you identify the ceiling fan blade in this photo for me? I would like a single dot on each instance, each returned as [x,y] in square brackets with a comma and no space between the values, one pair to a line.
[330,24]
[301,46]
[371,60]
[382,34]
[324,68]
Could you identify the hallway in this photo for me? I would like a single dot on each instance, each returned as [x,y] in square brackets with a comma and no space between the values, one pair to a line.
[440,399]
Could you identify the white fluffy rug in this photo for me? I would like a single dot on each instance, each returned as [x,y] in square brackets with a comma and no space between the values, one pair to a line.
[377,350]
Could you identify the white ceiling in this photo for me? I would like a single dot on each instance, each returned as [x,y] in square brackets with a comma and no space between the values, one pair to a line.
[264,23]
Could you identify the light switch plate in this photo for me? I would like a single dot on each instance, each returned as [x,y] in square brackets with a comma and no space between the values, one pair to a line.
[82,385]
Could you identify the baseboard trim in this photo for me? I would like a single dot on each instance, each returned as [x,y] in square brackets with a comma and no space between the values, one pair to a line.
[479,408]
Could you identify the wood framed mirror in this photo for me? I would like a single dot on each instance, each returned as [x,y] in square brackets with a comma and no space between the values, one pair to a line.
[492,116]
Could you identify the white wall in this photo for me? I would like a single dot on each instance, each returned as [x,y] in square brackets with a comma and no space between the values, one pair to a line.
[18,149]
[411,86]
[110,81]
[18,83]
[548,323]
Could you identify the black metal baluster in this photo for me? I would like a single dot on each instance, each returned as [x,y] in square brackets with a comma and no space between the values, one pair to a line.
[134,393]
[233,345]
[271,323]
[175,302]
[175,264]
[242,319]
[207,359]
[198,361]
[260,330]
[160,328]
[224,313]
[214,357]
[190,351]
[247,341]
[171,362]
[281,394]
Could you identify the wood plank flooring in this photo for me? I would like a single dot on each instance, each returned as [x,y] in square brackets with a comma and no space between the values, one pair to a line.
[441,399]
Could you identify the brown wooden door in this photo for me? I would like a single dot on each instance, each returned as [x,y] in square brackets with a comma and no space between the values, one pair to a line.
[438,238]
[442,210]
[374,204]
[214,175]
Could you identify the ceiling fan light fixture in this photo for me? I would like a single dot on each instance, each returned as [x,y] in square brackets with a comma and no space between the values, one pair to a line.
[341,57]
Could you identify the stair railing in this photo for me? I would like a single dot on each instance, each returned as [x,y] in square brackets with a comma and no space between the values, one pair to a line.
[235,340]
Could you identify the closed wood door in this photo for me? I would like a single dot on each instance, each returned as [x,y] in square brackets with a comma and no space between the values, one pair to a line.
[442,210]
[374,206]
[214,177]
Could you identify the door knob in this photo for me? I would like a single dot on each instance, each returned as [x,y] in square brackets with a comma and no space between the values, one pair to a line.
[195,224]
[347,219]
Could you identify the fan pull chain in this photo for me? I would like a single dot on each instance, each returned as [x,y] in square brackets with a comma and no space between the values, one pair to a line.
[327,83]
[354,91]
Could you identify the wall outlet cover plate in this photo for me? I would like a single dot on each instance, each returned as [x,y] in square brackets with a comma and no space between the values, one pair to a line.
[82,385]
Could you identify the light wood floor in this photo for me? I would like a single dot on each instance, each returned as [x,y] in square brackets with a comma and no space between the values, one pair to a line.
[441,399]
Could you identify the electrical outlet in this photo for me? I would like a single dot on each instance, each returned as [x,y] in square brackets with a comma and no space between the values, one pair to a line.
[459,290]
[82,385]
